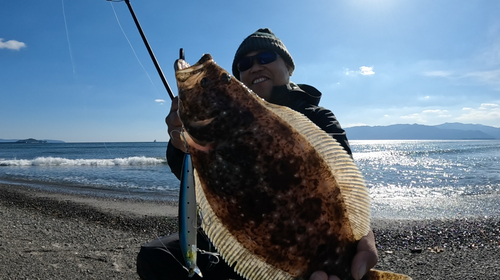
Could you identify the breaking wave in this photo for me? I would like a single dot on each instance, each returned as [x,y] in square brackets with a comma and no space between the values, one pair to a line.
[58,161]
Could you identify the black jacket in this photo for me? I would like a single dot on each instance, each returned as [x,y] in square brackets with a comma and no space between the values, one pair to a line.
[301,98]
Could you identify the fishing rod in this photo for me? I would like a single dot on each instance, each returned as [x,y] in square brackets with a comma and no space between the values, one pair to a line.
[151,54]
[187,205]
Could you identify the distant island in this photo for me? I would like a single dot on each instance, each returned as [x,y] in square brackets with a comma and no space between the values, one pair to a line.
[30,141]
[446,131]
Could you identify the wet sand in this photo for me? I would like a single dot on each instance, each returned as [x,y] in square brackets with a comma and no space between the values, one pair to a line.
[47,235]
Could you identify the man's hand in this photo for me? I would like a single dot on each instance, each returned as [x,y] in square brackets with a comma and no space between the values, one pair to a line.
[175,126]
[363,261]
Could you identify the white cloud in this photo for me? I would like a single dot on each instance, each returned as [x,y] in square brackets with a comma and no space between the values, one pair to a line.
[11,44]
[354,124]
[437,113]
[363,70]
[492,76]
[490,55]
[485,112]
[481,67]
[350,72]
[438,73]
[427,116]
[486,106]
[160,101]
[415,117]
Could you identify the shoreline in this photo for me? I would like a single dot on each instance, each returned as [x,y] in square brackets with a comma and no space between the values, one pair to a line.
[49,235]
[135,207]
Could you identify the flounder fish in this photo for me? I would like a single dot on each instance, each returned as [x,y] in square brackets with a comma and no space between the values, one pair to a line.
[280,198]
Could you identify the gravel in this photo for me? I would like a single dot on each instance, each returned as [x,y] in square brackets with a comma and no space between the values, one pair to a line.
[58,237]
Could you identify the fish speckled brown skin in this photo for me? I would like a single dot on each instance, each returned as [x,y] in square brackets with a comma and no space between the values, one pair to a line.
[275,200]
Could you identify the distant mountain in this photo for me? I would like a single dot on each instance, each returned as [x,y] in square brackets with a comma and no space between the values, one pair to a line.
[446,131]
[493,131]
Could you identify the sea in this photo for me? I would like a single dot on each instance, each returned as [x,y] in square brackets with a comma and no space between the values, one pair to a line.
[407,179]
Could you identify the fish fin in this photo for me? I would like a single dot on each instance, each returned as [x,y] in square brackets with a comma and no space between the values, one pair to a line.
[351,182]
[384,275]
[246,263]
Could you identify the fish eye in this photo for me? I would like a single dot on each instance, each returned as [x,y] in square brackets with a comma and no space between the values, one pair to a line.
[205,82]
[225,77]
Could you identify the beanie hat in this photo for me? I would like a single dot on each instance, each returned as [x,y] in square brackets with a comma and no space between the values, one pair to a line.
[262,39]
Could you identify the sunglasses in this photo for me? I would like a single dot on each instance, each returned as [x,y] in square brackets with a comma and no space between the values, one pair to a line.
[264,57]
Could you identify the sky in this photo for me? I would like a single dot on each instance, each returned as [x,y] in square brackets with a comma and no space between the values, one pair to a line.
[78,71]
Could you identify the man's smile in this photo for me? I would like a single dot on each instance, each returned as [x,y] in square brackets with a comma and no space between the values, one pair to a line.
[259,80]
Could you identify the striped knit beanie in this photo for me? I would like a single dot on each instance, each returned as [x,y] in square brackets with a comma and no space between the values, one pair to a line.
[262,39]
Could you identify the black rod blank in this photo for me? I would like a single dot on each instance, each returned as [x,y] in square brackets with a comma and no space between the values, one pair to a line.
[158,68]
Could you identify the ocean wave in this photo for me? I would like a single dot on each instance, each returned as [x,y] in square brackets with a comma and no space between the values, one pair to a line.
[58,161]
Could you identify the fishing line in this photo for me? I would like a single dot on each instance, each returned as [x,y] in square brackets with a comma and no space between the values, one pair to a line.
[181,133]
[67,38]
[186,145]
[213,257]
[170,253]
[107,149]
[111,157]
[200,214]
[135,54]
[133,50]
[160,73]
[150,51]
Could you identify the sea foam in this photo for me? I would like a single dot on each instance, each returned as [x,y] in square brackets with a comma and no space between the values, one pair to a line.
[58,161]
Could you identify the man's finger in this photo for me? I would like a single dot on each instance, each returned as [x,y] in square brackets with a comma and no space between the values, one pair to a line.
[366,258]
[319,275]
[175,104]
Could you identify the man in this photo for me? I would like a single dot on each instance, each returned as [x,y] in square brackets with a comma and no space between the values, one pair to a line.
[263,64]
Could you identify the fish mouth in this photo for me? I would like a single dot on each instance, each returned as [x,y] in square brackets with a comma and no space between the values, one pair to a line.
[180,64]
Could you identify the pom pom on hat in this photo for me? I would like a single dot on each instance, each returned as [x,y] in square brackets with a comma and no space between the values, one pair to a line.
[262,39]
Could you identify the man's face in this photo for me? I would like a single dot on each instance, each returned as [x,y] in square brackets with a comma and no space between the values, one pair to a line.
[261,78]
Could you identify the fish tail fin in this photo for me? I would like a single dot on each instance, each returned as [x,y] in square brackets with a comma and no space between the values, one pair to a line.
[384,275]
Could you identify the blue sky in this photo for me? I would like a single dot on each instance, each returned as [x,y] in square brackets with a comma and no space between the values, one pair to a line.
[68,72]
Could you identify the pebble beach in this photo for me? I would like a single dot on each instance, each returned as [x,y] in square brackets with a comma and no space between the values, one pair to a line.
[46,235]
